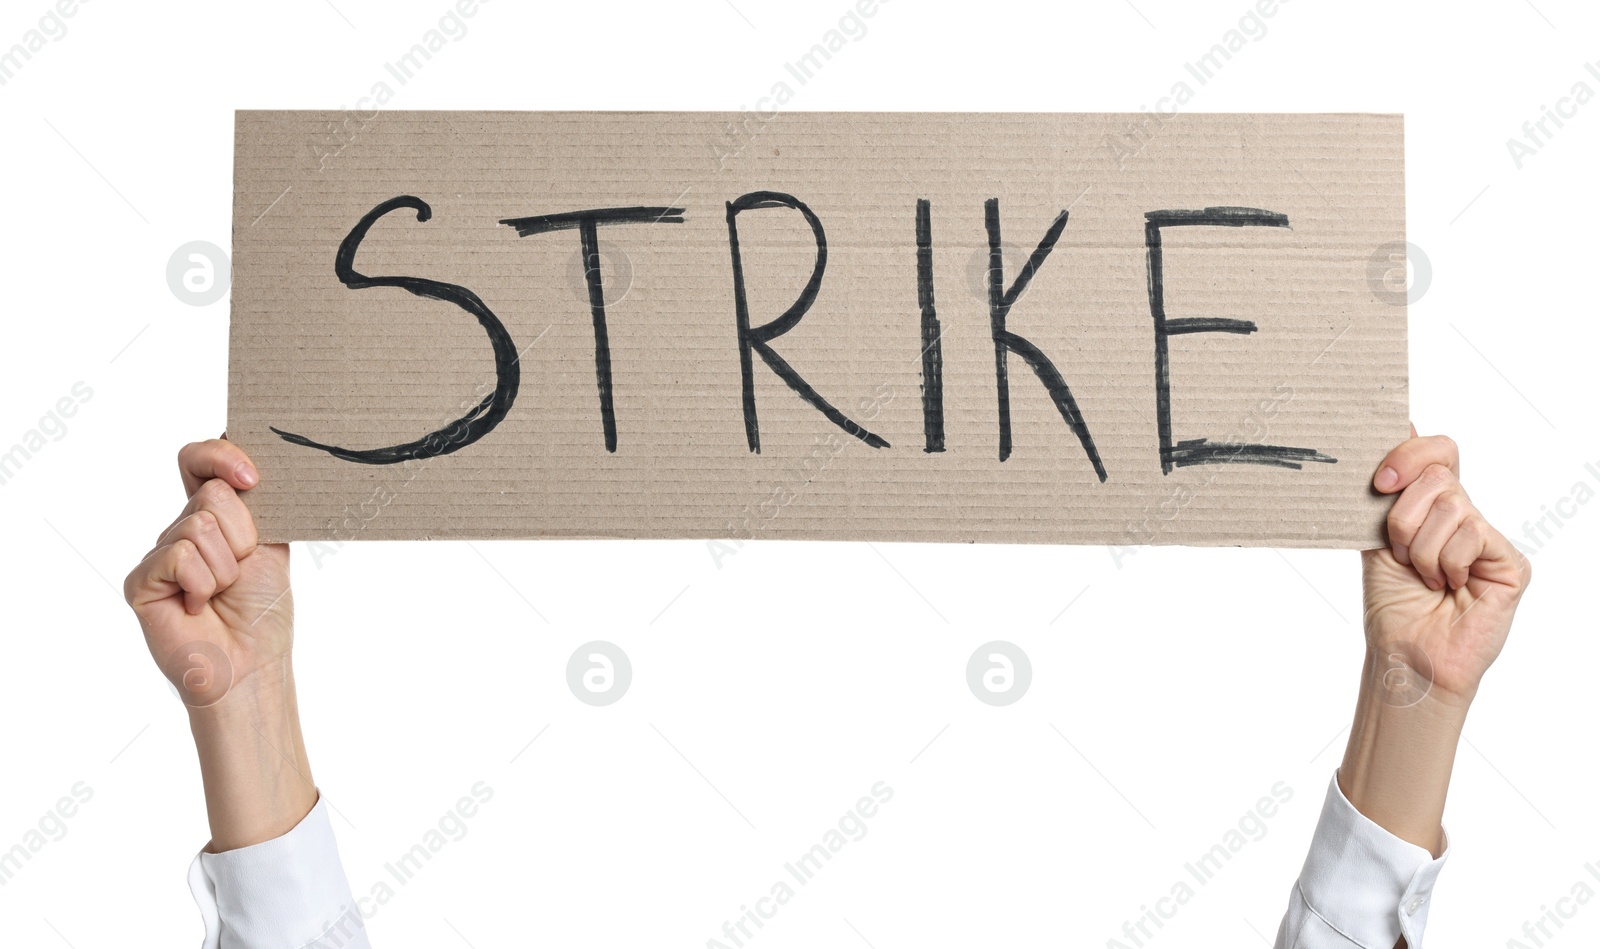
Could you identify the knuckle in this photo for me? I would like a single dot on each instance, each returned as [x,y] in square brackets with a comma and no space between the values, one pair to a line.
[1403,524]
[213,492]
[1436,476]
[189,456]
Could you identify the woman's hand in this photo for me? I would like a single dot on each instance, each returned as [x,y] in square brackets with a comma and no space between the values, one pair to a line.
[1440,597]
[215,605]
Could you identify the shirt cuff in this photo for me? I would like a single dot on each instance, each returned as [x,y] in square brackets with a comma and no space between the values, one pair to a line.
[1364,882]
[285,893]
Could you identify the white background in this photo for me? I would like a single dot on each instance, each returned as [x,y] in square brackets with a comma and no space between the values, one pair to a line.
[771,692]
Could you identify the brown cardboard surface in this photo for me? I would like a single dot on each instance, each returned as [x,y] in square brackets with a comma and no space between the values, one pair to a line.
[367,364]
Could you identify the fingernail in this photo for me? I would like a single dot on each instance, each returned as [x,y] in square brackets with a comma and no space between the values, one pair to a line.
[1402,553]
[1433,584]
[246,474]
[1387,478]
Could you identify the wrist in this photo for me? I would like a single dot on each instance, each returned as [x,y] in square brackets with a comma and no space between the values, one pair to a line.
[253,760]
[1402,674]
[261,697]
[1403,739]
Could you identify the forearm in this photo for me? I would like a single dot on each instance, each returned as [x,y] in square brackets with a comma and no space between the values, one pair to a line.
[253,761]
[1396,768]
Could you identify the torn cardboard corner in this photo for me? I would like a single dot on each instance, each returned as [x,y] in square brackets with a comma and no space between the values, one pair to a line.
[1008,328]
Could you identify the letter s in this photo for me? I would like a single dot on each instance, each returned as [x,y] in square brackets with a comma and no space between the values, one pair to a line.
[478,422]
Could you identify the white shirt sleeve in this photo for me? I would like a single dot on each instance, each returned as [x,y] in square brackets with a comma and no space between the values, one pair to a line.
[285,893]
[1360,886]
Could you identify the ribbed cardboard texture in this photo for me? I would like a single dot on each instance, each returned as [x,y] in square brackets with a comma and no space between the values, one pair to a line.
[1285,361]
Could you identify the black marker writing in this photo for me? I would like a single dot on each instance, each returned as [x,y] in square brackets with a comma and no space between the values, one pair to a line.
[1000,302]
[758,338]
[932,351]
[1200,451]
[587,223]
[478,422]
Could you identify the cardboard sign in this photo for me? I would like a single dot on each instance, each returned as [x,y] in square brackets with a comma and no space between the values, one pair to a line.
[1103,329]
